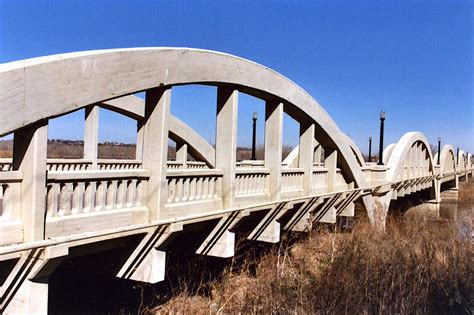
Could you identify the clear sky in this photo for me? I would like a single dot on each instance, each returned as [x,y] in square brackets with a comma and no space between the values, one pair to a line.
[414,59]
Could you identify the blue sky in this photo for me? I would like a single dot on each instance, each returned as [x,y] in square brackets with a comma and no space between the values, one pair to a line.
[414,59]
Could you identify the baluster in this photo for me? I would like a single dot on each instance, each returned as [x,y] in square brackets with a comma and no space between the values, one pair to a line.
[53,198]
[65,201]
[192,189]
[199,184]
[121,193]
[179,189]
[185,189]
[171,189]
[131,192]
[205,187]
[141,192]
[212,189]
[111,194]
[78,201]
[101,195]
[89,196]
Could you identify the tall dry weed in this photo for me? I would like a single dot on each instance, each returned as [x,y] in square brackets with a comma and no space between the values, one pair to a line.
[414,267]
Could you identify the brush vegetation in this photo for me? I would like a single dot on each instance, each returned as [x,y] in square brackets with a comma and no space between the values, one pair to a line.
[415,266]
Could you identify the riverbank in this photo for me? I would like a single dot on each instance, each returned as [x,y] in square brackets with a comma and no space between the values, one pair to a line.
[417,266]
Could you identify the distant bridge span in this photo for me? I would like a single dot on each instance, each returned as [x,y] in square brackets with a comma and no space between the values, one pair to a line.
[51,207]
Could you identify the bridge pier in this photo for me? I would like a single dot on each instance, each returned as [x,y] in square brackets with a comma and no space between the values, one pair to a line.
[25,290]
[147,263]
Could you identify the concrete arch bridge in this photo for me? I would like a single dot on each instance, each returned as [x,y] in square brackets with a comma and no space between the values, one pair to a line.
[51,210]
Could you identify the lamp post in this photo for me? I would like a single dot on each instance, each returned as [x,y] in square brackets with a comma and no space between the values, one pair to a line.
[370,149]
[439,149]
[382,119]
[254,134]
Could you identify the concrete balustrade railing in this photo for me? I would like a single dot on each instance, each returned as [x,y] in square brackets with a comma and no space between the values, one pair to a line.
[113,164]
[71,193]
[68,164]
[5,164]
[250,163]
[320,180]
[200,187]
[340,181]
[291,182]
[10,195]
[11,226]
[186,165]
[80,202]
[253,181]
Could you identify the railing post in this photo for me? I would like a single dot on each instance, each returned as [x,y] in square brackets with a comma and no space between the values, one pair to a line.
[29,157]
[306,154]
[273,145]
[330,162]
[91,134]
[154,132]
[182,153]
[226,140]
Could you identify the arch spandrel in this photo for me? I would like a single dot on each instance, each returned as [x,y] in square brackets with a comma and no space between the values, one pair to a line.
[134,107]
[46,87]
[447,160]
[387,152]
[399,155]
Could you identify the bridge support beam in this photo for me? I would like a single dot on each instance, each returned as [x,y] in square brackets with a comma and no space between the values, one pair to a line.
[226,140]
[25,290]
[147,263]
[273,146]
[221,241]
[301,221]
[268,229]
[154,132]
[29,157]
[91,135]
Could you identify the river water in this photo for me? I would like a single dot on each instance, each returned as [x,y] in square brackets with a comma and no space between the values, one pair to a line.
[460,211]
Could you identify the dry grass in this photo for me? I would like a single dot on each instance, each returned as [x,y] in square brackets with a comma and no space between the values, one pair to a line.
[416,267]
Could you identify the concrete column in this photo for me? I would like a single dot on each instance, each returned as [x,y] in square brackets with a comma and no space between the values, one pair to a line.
[91,135]
[31,298]
[139,146]
[29,157]
[226,140]
[317,153]
[182,153]
[306,154]
[154,129]
[273,145]
[331,164]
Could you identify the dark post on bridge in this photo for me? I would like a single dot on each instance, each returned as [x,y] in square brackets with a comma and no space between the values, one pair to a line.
[382,119]
[439,149]
[254,134]
[370,149]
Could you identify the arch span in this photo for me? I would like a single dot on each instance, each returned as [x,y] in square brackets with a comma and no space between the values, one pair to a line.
[399,157]
[97,76]
[447,160]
